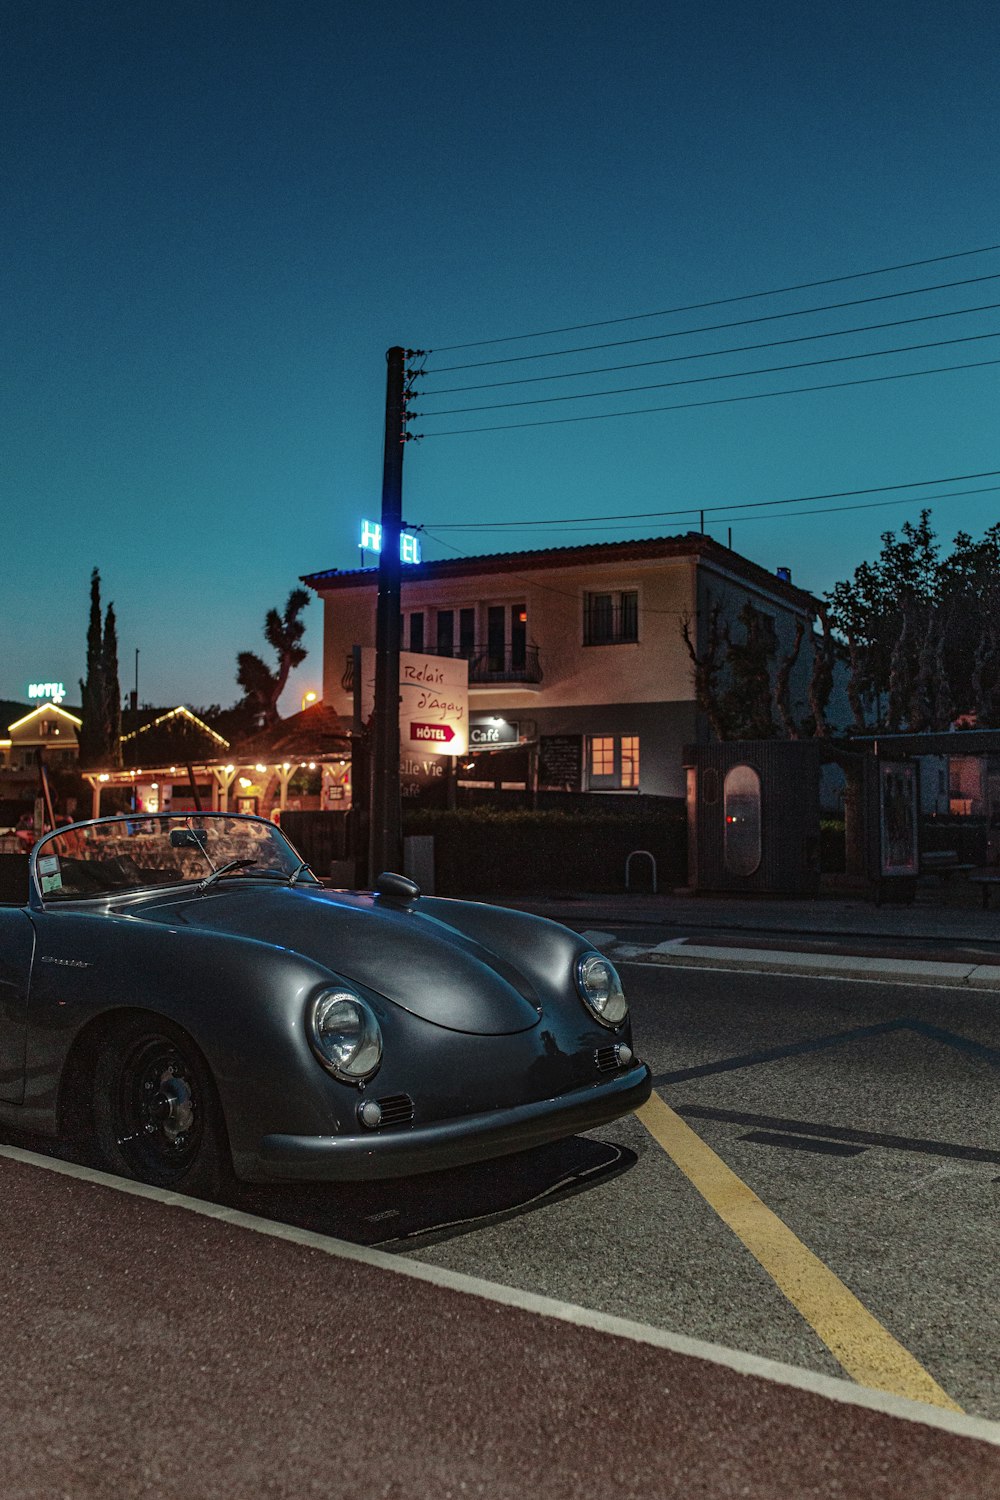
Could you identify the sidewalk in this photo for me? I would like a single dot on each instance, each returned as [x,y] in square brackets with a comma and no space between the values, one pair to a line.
[158,1346]
[934,941]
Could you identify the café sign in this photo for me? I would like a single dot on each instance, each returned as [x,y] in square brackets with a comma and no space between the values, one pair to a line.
[493,734]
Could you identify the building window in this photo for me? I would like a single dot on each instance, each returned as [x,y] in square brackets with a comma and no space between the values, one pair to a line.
[417,631]
[446,632]
[496,637]
[761,630]
[630,762]
[611,619]
[602,756]
[518,637]
[614,763]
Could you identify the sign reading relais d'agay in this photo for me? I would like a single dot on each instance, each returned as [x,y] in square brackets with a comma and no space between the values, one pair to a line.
[433,701]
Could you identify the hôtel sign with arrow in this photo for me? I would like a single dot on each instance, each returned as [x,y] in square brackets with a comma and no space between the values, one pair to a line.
[433,701]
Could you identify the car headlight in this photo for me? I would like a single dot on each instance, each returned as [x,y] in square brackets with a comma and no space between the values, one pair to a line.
[601,989]
[345,1035]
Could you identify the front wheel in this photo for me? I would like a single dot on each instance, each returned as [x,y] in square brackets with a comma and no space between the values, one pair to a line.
[156,1113]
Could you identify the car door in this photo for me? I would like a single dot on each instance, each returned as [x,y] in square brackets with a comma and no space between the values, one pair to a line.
[17,943]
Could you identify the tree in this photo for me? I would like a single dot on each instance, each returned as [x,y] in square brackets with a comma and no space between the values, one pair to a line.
[112,717]
[262,686]
[707,666]
[740,685]
[100,693]
[923,630]
[92,687]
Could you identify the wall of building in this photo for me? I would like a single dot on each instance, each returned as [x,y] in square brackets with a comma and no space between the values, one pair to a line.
[653,669]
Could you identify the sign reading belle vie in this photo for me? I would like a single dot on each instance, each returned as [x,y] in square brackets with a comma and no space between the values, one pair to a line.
[433,701]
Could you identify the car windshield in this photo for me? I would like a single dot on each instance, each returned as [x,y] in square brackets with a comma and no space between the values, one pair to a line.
[115,855]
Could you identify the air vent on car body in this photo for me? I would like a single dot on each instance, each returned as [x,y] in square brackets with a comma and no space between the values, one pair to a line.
[397,1109]
[606,1059]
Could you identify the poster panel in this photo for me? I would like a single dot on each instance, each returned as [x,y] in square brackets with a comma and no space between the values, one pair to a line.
[897,790]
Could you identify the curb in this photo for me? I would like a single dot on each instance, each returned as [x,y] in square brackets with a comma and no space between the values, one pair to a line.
[809,965]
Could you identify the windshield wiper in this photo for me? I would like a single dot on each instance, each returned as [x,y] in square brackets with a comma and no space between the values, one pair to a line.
[232,864]
[302,866]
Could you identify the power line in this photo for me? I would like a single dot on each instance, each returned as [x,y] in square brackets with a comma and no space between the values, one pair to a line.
[831,510]
[535,583]
[645,411]
[801,286]
[674,359]
[651,338]
[661,515]
[598,523]
[661,385]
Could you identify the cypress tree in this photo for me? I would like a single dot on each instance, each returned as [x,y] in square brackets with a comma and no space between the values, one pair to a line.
[112,714]
[92,691]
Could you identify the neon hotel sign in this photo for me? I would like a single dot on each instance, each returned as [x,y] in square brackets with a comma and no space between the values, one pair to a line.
[51,692]
[371,541]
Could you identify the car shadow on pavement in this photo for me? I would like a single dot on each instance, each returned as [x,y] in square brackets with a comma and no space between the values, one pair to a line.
[404,1213]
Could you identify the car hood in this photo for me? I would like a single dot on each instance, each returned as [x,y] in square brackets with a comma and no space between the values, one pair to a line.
[411,958]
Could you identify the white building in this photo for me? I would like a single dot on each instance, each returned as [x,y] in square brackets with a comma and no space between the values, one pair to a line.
[579,647]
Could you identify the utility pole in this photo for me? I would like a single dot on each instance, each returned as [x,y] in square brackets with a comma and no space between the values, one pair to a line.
[385,841]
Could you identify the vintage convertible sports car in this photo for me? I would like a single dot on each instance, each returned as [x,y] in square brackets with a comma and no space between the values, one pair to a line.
[186,995]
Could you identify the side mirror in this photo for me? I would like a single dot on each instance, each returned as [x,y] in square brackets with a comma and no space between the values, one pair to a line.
[398,889]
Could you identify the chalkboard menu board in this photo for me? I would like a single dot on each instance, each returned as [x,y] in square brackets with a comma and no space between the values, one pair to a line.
[560,762]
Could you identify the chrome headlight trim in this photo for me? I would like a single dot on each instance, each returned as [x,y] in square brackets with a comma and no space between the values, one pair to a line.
[344,1034]
[600,989]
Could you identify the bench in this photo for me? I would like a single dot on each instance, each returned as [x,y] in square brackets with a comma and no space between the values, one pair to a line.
[985,879]
[944,863]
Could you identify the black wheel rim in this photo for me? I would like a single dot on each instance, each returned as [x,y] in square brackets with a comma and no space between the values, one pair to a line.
[159,1111]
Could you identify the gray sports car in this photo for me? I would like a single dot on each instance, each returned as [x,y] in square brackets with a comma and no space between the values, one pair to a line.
[183,992]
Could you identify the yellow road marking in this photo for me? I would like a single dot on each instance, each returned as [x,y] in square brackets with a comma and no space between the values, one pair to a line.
[867,1351]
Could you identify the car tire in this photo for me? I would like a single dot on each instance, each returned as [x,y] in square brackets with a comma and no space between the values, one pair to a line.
[157,1116]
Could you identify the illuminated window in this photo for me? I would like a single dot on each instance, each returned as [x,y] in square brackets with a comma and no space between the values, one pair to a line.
[614,763]
[602,756]
[630,761]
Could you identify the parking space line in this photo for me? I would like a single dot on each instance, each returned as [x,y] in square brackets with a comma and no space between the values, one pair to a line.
[855,1338]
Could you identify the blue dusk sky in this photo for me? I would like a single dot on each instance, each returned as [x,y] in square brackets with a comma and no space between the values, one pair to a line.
[219,214]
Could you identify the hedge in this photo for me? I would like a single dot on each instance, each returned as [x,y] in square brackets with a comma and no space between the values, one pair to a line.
[488,852]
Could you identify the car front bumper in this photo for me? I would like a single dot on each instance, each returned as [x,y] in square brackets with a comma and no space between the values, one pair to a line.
[411,1149]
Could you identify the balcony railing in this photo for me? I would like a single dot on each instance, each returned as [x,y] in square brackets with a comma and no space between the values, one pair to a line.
[512,664]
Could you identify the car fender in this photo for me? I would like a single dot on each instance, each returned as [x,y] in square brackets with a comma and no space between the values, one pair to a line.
[242,1001]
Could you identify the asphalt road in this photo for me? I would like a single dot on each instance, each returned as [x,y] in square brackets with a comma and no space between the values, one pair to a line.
[862,1115]
[161,1354]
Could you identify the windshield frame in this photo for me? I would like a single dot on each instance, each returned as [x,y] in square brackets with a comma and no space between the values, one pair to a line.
[289,859]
